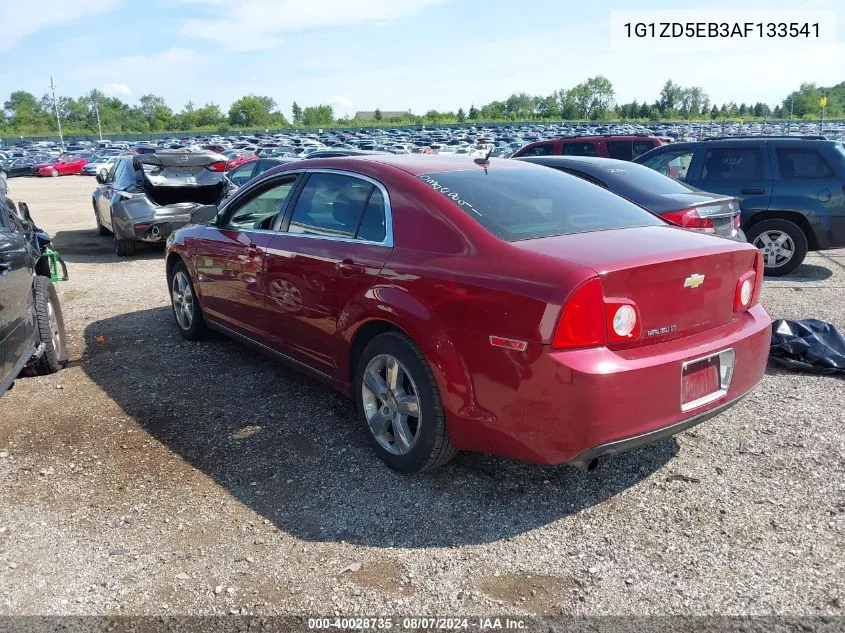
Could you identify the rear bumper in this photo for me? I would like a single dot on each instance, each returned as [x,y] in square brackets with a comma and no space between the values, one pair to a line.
[554,407]
[159,228]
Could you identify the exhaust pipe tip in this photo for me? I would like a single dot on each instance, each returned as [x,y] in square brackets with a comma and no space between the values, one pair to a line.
[593,463]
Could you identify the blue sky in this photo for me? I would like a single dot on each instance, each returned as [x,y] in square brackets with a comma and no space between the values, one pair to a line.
[364,54]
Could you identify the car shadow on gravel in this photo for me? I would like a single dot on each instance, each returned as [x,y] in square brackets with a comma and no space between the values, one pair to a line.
[88,246]
[291,449]
[805,273]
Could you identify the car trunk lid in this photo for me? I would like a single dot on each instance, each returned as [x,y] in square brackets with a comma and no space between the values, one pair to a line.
[181,176]
[722,212]
[682,282]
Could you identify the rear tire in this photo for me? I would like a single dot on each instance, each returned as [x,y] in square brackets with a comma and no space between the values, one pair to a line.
[51,327]
[185,303]
[122,247]
[774,238]
[380,415]
[54,172]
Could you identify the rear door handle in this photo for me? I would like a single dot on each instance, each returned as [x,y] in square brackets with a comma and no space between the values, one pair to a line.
[753,191]
[253,251]
[347,268]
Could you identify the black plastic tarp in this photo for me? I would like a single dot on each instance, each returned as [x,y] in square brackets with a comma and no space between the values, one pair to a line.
[808,345]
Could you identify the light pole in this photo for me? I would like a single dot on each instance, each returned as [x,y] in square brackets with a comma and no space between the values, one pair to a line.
[58,119]
[97,112]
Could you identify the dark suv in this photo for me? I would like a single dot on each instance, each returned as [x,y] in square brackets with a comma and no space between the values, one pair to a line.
[791,189]
[31,325]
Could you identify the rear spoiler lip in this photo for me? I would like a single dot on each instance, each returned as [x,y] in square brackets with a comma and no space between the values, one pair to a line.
[175,159]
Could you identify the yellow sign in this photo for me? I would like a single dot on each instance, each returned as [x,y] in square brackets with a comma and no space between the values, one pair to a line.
[823,102]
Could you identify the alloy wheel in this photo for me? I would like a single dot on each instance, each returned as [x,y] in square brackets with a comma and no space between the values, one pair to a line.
[183,300]
[391,404]
[776,246]
[55,330]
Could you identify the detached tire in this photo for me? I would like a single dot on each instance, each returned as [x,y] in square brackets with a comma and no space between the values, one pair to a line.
[185,304]
[51,327]
[123,248]
[782,243]
[399,405]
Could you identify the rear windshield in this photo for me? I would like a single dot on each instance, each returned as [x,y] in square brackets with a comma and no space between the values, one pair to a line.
[630,178]
[524,204]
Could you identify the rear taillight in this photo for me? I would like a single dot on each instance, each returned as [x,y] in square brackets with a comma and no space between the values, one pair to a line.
[221,166]
[582,320]
[737,222]
[747,293]
[589,319]
[689,219]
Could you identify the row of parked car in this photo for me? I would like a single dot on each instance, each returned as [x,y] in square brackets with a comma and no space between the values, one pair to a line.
[785,195]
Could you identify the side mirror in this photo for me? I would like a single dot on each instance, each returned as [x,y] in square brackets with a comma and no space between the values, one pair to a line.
[23,211]
[101,177]
[205,214]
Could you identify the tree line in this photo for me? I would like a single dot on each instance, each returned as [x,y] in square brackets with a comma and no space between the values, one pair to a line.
[592,100]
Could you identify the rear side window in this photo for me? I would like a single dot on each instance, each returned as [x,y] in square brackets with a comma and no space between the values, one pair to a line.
[733,163]
[336,205]
[242,173]
[641,147]
[580,149]
[799,162]
[544,149]
[622,150]
[521,204]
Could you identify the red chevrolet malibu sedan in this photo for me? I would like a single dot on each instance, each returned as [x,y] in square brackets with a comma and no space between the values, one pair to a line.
[493,306]
[62,166]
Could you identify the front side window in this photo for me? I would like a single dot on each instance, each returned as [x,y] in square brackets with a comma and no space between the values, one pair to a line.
[333,205]
[732,163]
[520,204]
[799,162]
[242,174]
[544,149]
[260,209]
[674,164]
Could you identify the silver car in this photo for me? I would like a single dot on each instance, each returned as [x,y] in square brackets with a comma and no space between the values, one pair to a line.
[144,198]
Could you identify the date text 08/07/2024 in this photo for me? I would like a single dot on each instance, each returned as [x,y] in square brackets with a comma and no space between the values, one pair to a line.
[419,623]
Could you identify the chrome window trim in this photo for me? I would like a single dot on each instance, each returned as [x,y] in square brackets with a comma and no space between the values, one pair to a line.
[388,209]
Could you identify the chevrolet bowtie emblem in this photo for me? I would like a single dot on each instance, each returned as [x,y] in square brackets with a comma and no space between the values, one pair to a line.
[693,281]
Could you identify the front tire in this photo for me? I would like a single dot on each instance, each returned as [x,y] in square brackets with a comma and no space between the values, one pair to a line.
[54,172]
[399,405]
[782,243]
[185,304]
[103,231]
[51,327]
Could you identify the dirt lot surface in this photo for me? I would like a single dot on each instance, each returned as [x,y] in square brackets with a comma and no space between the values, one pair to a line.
[155,475]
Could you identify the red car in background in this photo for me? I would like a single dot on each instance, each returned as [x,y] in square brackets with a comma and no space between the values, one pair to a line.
[493,306]
[237,157]
[607,146]
[63,166]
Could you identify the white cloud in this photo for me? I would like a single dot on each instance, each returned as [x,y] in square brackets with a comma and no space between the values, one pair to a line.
[117,89]
[342,102]
[150,73]
[21,19]
[252,25]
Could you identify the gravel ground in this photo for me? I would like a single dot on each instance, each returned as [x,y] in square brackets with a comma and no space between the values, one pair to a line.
[156,475]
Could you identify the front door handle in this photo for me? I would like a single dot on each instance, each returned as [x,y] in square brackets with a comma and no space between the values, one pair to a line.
[347,268]
[5,267]
[753,192]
